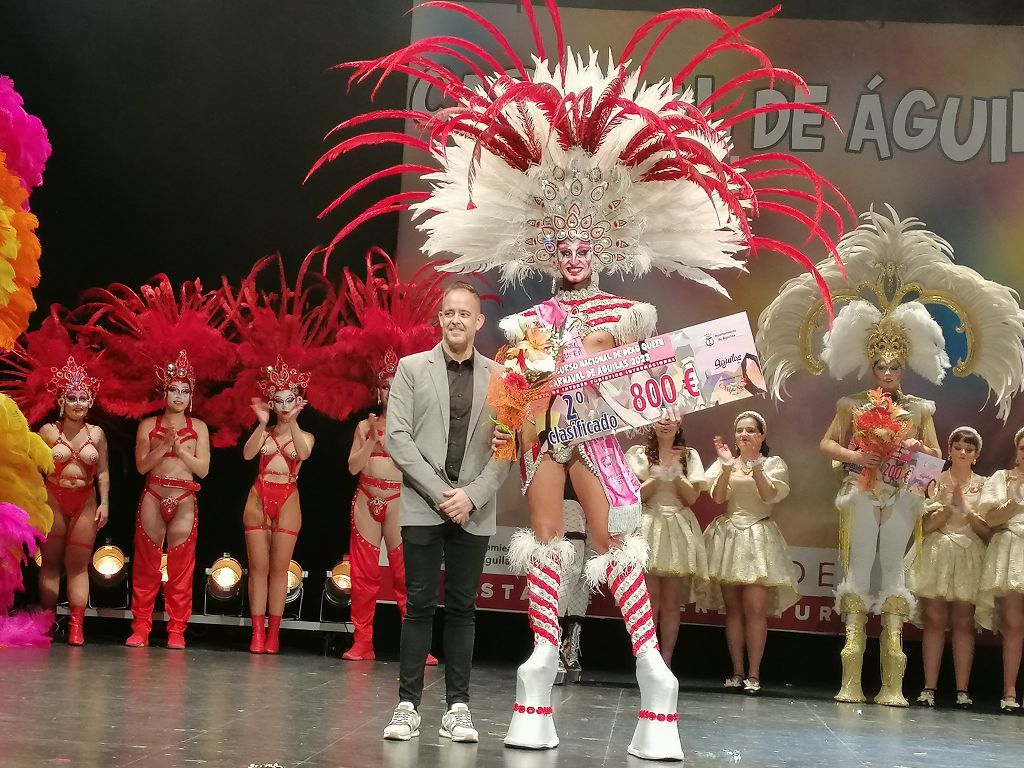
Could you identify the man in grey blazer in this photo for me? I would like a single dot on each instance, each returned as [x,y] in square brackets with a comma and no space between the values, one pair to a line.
[439,433]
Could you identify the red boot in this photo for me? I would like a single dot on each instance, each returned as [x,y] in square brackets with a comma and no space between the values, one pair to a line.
[145,585]
[365,585]
[75,634]
[273,645]
[259,634]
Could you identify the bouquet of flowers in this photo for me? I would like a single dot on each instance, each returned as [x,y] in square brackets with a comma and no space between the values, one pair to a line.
[521,381]
[880,427]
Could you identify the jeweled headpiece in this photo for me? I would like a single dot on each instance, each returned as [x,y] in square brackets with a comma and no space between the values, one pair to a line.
[281,376]
[387,368]
[72,377]
[180,370]
[888,340]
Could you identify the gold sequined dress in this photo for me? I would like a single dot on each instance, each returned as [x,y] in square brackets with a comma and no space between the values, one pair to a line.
[745,546]
[949,564]
[1002,570]
[670,528]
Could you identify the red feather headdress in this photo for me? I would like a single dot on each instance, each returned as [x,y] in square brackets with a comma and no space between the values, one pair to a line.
[294,326]
[152,337]
[46,364]
[577,150]
[388,319]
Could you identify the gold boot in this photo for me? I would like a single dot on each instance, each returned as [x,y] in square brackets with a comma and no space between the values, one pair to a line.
[855,614]
[895,611]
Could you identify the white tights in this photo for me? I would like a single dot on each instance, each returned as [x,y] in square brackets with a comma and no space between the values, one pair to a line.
[888,539]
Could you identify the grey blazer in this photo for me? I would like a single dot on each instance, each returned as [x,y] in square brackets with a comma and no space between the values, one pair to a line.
[417,436]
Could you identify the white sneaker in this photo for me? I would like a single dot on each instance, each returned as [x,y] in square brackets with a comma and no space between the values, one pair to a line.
[457,725]
[405,723]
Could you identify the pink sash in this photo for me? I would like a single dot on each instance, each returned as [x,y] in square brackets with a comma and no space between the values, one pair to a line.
[602,455]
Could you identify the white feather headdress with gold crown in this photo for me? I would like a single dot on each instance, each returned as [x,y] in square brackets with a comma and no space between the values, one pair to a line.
[895,269]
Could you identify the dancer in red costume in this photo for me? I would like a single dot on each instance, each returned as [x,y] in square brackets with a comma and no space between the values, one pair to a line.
[171,450]
[80,468]
[570,170]
[272,516]
[298,323]
[390,319]
[179,331]
[47,370]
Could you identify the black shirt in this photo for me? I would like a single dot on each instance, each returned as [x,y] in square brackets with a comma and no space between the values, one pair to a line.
[460,400]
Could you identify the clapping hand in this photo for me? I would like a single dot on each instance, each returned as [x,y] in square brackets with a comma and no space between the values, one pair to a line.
[262,411]
[723,450]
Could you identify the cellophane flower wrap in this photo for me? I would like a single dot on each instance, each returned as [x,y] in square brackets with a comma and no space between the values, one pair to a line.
[880,426]
[521,382]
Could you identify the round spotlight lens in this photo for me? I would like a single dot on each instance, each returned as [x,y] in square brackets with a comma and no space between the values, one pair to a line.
[338,587]
[107,566]
[294,581]
[108,560]
[225,580]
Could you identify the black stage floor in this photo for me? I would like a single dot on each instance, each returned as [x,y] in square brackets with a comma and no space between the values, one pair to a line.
[105,705]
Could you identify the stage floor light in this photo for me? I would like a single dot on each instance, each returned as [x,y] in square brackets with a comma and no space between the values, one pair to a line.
[338,586]
[295,577]
[224,578]
[108,566]
[163,567]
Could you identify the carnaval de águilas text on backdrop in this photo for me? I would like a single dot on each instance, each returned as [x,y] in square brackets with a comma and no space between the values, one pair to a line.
[933,139]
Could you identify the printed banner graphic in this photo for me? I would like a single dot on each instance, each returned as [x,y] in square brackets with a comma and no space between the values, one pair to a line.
[632,386]
[918,472]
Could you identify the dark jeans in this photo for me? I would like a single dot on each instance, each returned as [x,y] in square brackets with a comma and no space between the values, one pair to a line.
[463,554]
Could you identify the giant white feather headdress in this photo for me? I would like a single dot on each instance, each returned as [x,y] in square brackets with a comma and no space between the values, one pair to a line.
[895,269]
[573,150]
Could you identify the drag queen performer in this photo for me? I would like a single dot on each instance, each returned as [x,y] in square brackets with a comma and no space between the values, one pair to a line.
[750,570]
[1001,588]
[272,516]
[894,259]
[171,450]
[671,478]
[944,575]
[567,171]
[389,319]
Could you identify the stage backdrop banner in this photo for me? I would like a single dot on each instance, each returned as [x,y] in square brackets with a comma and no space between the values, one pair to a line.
[932,122]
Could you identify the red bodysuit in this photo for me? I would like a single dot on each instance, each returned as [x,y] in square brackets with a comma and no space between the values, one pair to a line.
[72,499]
[274,495]
[377,505]
[169,505]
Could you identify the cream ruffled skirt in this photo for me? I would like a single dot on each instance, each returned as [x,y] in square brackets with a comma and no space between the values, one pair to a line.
[1002,572]
[677,548]
[754,555]
[944,570]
